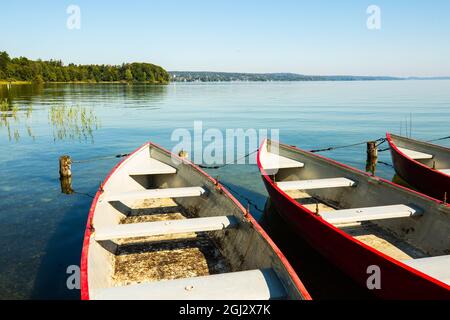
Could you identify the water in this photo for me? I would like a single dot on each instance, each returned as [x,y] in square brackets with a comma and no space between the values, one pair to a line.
[41,229]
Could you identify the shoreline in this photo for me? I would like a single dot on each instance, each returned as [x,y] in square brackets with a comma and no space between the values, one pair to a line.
[4,82]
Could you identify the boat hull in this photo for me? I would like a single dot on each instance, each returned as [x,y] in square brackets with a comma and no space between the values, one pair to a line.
[251,228]
[419,176]
[353,257]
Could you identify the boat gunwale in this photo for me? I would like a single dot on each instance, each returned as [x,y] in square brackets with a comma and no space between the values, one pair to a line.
[88,232]
[393,146]
[396,262]
[84,285]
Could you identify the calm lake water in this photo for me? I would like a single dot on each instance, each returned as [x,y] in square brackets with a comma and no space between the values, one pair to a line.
[41,229]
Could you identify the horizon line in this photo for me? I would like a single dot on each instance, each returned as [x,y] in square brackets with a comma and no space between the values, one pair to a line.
[311,75]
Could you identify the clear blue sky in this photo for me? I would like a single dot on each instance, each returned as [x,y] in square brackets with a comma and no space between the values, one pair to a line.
[310,37]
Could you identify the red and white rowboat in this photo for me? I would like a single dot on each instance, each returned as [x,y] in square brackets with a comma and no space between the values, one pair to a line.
[391,240]
[423,165]
[161,228]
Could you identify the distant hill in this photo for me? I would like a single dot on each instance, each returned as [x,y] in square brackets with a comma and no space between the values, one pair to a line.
[428,78]
[206,76]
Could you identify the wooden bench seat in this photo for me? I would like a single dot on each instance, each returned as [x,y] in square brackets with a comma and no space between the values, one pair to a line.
[435,267]
[244,285]
[370,213]
[149,229]
[273,162]
[157,194]
[416,155]
[152,167]
[315,184]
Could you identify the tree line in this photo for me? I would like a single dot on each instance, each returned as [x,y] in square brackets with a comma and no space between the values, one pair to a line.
[23,69]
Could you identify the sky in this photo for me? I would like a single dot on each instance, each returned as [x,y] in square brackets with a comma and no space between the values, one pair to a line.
[321,37]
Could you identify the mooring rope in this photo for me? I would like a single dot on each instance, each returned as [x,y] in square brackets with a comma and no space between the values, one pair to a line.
[444,138]
[385,163]
[249,201]
[433,140]
[229,163]
[117,156]
[84,194]
[380,140]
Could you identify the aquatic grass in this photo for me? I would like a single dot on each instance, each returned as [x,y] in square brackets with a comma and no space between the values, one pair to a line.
[73,122]
[10,118]
[4,105]
[7,111]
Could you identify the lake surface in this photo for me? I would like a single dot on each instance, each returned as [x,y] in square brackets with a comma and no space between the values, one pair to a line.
[41,229]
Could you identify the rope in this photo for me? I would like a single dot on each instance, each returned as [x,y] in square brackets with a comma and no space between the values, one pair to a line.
[84,194]
[438,139]
[444,138]
[386,164]
[249,201]
[101,158]
[229,163]
[380,140]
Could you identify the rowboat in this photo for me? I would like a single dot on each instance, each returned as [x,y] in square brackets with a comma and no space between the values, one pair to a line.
[423,165]
[161,228]
[391,240]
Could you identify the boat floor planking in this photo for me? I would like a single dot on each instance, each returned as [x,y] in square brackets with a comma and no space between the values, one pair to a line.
[164,257]
[366,232]
[177,259]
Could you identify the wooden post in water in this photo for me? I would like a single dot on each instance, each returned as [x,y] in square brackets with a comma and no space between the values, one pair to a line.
[65,166]
[65,174]
[372,157]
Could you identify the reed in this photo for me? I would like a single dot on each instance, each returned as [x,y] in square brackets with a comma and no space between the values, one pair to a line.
[73,122]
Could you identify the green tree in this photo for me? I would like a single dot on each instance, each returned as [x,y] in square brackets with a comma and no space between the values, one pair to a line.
[38,80]
[128,75]
[4,60]
[54,70]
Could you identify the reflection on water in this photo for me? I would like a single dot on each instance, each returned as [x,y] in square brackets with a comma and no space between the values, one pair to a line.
[24,93]
[76,123]
[66,185]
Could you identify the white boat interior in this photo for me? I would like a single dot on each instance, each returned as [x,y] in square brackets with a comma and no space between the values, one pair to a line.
[164,230]
[400,223]
[431,155]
